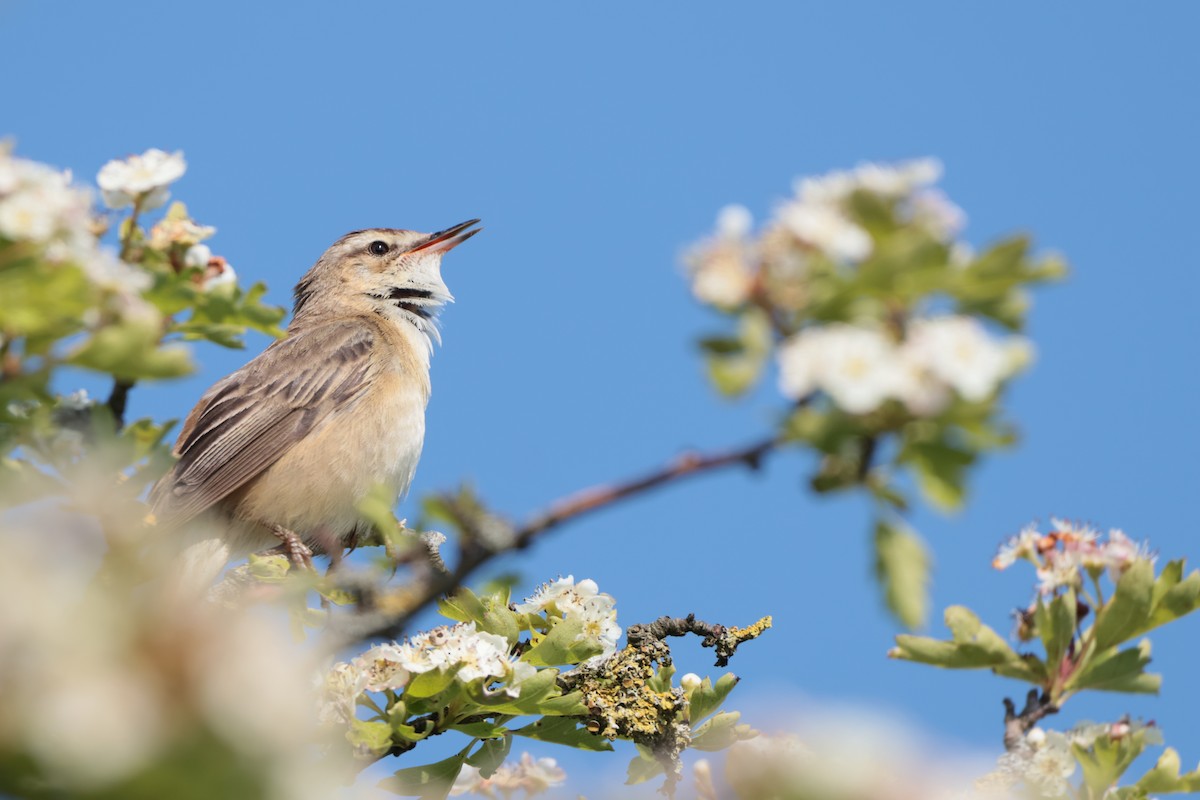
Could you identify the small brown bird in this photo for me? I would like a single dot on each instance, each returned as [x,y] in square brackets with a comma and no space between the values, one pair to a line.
[286,447]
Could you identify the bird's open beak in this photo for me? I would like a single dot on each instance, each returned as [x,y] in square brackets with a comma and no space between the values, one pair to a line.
[444,241]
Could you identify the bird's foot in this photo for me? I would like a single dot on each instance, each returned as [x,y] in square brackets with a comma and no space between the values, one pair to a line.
[294,548]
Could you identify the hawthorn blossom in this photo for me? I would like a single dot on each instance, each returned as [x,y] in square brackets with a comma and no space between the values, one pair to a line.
[1023,545]
[382,668]
[857,366]
[959,352]
[122,181]
[340,687]
[827,228]
[529,775]
[39,204]
[583,601]
[175,230]
[721,267]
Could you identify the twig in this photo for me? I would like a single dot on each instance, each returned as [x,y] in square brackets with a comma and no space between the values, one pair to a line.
[476,545]
[1037,705]
[118,399]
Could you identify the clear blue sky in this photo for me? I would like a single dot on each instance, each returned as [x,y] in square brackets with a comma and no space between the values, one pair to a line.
[597,142]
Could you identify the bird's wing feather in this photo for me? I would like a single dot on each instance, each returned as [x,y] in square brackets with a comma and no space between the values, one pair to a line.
[246,422]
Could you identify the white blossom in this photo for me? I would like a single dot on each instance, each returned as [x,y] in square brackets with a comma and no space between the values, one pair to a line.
[960,352]
[38,203]
[382,669]
[121,181]
[721,267]
[690,682]
[856,366]
[197,255]
[341,686]
[828,229]
[483,655]
[528,775]
[1023,545]
[598,615]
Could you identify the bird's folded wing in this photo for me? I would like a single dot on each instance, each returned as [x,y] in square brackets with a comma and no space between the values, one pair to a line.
[247,421]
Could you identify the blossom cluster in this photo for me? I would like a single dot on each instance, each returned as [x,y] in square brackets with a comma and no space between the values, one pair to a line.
[860,368]
[1043,760]
[1068,550]
[528,775]
[472,654]
[40,206]
[584,601]
[817,222]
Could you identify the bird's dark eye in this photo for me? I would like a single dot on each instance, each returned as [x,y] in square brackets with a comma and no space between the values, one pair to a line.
[378,248]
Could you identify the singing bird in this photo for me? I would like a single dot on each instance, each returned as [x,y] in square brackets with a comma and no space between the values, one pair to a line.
[286,447]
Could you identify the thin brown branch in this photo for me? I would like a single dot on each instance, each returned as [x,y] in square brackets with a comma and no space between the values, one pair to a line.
[476,545]
[599,497]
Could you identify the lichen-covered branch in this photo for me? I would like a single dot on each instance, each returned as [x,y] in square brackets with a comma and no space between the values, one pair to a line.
[1037,705]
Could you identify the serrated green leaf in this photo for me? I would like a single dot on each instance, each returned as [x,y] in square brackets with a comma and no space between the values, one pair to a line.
[1164,777]
[1056,626]
[564,730]
[1106,760]
[428,684]
[1118,671]
[429,781]
[565,705]
[499,620]
[902,565]
[974,646]
[642,768]
[462,606]
[940,469]
[720,731]
[374,736]
[708,697]
[1128,610]
[481,730]
[1174,596]
[563,645]
[490,755]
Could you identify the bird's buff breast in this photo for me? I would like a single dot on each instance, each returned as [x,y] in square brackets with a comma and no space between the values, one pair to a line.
[314,489]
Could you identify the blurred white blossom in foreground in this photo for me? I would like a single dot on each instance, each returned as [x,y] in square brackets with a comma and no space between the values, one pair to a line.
[102,684]
[528,775]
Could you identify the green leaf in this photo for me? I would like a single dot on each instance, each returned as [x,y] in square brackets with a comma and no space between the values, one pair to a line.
[1173,597]
[535,692]
[374,736]
[974,646]
[1164,777]
[499,620]
[707,697]
[430,781]
[564,705]
[721,731]
[481,730]
[462,606]
[563,645]
[1128,610]
[490,755]
[1056,626]
[564,730]
[428,684]
[131,352]
[902,565]
[642,768]
[734,364]
[1118,671]
[1106,760]
[940,469]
